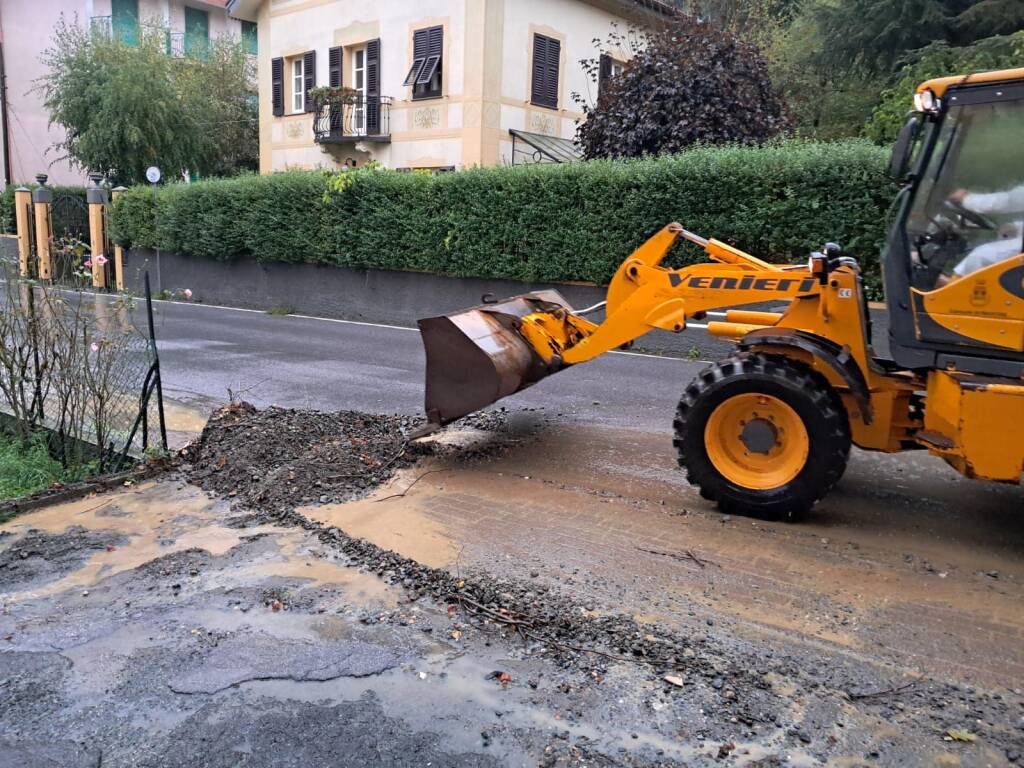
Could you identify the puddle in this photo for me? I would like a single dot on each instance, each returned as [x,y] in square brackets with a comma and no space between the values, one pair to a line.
[398,524]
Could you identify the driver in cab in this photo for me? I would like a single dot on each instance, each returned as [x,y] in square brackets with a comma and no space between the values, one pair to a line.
[1009,236]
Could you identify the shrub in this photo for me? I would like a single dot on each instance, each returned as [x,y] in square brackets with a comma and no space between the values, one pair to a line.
[534,223]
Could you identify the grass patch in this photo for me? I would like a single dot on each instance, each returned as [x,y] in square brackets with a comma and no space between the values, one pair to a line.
[26,470]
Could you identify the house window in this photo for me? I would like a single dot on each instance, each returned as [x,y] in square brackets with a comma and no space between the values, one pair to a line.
[609,70]
[547,52]
[249,37]
[425,75]
[125,21]
[197,33]
[298,86]
[359,85]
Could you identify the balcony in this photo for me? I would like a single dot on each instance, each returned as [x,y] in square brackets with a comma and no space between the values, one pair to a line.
[353,118]
[129,31]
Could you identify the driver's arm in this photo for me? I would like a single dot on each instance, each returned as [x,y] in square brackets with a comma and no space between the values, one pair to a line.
[1010,201]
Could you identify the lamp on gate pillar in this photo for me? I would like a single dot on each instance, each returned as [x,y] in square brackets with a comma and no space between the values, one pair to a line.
[96,197]
[42,201]
[118,250]
[23,223]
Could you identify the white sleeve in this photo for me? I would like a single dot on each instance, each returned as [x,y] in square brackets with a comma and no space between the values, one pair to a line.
[1010,201]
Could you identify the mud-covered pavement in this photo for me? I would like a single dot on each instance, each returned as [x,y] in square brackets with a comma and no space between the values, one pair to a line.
[519,592]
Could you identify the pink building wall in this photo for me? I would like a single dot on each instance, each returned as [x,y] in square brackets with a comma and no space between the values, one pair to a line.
[26,29]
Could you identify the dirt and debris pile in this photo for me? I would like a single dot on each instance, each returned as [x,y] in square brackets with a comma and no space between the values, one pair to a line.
[281,458]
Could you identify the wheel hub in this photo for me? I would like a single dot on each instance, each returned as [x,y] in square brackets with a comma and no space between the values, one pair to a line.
[757,441]
[760,436]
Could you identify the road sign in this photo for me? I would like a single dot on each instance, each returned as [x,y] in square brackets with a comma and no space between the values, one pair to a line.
[152,174]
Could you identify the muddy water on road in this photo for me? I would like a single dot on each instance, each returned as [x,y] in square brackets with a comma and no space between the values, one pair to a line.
[906,563]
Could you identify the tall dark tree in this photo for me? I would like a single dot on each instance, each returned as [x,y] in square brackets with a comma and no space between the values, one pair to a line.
[691,83]
[874,36]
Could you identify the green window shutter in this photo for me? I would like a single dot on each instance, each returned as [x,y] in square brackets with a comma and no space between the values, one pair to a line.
[249,37]
[124,20]
[197,33]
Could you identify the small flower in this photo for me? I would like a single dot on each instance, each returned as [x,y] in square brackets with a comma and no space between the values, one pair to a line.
[101,259]
[94,347]
[187,293]
[88,263]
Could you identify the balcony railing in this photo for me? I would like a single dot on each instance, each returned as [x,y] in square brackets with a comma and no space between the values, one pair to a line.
[130,31]
[353,118]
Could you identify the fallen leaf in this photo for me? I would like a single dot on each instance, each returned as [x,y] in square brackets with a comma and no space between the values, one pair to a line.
[504,678]
[456,634]
[956,734]
[674,680]
[276,606]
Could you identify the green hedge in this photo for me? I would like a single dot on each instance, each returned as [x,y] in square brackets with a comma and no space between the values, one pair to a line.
[8,225]
[535,223]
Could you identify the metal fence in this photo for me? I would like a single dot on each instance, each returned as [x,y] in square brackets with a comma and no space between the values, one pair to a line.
[83,369]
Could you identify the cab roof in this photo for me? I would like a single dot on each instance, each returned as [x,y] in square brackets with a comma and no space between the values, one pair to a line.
[940,85]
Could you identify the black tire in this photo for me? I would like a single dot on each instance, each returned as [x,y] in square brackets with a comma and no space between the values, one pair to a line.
[805,392]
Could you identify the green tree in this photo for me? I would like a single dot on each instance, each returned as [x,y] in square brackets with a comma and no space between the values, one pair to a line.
[692,83]
[874,36]
[938,60]
[126,104]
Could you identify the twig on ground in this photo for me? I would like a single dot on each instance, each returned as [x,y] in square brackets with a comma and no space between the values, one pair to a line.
[403,493]
[687,555]
[496,615]
[878,694]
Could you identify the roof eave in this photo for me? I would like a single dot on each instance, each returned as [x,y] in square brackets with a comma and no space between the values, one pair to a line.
[246,10]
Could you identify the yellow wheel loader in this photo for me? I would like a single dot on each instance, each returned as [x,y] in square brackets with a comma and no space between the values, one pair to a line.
[768,432]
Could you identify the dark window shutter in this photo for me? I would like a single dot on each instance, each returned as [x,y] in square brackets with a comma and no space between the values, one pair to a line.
[334,67]
[309,70]
[277,86]
[435,41]
[554,63]
[334,79]
[421,43]
[373,87]
[435,52]
[604,74]
[544,87]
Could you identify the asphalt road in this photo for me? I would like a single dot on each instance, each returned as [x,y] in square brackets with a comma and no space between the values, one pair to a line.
[334,365]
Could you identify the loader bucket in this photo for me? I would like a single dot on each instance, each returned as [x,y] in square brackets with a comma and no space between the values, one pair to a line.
[477,357]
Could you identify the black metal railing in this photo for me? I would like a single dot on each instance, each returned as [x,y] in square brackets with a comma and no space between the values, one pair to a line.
[353,118]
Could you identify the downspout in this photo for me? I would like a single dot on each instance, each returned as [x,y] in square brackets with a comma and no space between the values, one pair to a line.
[5,128]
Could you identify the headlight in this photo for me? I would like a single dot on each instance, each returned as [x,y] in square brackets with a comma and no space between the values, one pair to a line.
[926,101]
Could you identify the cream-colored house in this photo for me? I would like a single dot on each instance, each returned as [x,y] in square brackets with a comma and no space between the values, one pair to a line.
[27,141]
[435,84]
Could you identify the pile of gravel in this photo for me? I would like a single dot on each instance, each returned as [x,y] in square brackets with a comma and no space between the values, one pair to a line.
[280,458]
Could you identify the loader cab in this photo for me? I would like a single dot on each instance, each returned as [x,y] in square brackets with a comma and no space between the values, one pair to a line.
[954,264]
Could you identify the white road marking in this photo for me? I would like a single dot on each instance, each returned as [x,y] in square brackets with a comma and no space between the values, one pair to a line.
[371,325]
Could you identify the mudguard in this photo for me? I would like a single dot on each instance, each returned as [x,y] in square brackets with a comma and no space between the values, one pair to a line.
[831,354]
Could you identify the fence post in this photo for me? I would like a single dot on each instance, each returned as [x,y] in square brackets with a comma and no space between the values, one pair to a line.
[96,197]
[23,220]
[118,250]
[42,200]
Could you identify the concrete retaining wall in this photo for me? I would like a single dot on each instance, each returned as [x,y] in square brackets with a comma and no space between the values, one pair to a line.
[373,296]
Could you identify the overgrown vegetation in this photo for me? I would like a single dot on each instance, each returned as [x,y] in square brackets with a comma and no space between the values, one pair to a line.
[126,103]
[25,469]
[535,223]
[836,63]
[70,372]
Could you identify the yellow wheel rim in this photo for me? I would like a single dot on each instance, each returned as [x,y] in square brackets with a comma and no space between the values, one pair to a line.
[757,441]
